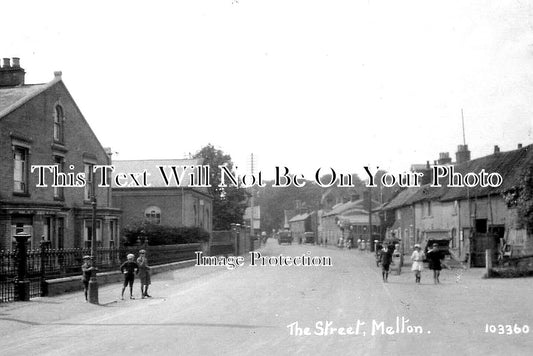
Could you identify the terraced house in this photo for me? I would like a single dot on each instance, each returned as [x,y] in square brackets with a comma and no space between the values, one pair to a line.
[40,124]
[472,219]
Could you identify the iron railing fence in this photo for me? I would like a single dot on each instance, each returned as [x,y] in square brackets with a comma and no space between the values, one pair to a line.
[47,263]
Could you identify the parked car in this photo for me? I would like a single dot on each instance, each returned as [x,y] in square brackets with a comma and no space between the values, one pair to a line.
[285,237]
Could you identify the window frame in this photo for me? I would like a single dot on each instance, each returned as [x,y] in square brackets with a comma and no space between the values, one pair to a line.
[59,123]
[59,192]
[152,214]
[25,171]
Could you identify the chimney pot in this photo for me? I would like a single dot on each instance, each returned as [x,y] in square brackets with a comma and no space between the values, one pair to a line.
[11,76]
[496,149]
[58,74]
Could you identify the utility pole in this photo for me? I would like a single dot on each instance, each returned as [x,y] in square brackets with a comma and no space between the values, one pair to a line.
[463,120]
[369,216]
[252,198]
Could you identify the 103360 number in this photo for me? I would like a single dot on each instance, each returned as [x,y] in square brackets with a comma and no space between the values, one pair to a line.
[506,329]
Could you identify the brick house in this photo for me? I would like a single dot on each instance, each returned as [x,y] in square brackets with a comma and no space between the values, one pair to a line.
[161,203]
[40,124]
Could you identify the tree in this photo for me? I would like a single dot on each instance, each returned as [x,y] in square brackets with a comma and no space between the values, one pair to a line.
[229,202]
[524,202]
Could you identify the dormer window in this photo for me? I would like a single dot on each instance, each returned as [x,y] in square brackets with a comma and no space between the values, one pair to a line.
[59,119]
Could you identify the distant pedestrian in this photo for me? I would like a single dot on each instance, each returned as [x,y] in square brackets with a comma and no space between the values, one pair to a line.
[386,260]
[144,274]
[435,256]
[129,268]
[418,262]
[86,269]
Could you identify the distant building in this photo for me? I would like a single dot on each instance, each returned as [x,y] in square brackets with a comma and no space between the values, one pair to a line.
[302,223]
[256,219]
[160,203]
[350,218]
[40,124]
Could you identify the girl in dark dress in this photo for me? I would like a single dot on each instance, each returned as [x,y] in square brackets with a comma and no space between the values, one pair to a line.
[435,257]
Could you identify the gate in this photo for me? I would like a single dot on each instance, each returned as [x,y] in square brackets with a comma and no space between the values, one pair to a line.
[481,243]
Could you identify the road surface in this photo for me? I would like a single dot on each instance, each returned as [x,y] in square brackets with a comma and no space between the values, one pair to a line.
[287,310]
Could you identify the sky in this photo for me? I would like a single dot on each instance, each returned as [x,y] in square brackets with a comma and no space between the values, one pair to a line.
[302,84]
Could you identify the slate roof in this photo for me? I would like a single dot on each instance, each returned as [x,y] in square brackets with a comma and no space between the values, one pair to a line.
[300,217]
[155,177]
[12,98]
[340,208]
[509,165]
[401,199]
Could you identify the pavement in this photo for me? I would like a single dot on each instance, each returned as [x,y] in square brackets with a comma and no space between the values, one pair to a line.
[212,310]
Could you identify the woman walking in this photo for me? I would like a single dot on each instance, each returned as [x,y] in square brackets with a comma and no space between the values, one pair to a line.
[418,262]
[435,257]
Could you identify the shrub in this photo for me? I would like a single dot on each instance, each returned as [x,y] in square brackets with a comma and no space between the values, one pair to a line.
[162,234]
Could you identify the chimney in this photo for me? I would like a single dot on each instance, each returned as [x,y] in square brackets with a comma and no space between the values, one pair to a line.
[519,146]
[496,149]
[444,158]
[354,197]
[462,155]
[11,75]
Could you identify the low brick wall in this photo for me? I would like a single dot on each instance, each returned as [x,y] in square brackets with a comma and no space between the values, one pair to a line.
[73,284]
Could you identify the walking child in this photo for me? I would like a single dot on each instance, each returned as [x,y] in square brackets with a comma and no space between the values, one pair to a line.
[386,260]
[435,256]
[418,262]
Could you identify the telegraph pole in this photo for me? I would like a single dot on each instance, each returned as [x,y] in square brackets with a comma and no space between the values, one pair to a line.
[252,198]
[369,217]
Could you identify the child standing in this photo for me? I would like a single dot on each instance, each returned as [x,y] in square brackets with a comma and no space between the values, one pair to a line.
[129,268]
[144,273]
[86,269]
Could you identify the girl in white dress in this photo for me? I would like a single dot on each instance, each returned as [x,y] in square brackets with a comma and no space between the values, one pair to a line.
[418,262]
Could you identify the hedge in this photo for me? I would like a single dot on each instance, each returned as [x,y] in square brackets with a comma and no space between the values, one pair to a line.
[163,234]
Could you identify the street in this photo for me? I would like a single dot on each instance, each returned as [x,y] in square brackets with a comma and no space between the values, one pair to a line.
[261,310]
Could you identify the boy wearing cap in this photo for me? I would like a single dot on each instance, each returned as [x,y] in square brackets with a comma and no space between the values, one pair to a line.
[129,268]
[144,273]
[86,269]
